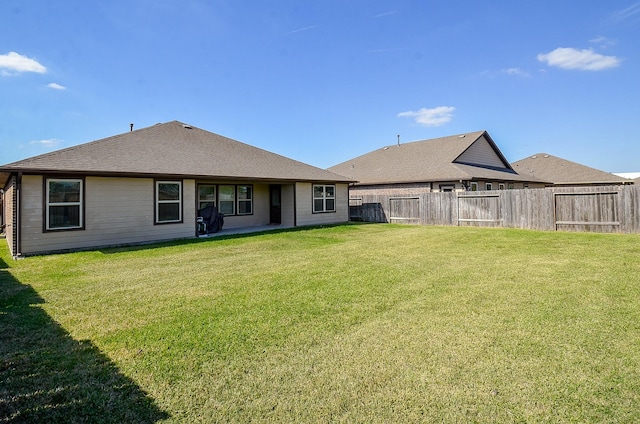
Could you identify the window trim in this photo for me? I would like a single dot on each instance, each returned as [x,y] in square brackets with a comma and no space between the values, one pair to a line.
[324,198]
[157,202]
[45,194]
[215,195]
[473,186]
[236,199]
[250,200]
[488,186]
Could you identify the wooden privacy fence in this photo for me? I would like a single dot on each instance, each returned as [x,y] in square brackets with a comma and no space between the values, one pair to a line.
[611,209]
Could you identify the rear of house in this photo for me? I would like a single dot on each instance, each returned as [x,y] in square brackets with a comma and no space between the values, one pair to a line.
[148,185]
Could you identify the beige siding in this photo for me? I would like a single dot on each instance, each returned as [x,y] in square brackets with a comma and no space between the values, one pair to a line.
[10,215]
[117,211]
[287,202]
[260,214]
[304,206]
[481,153]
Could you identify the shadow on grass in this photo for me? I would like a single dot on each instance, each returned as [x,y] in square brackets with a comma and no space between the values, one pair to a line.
[222,236]
[47,376]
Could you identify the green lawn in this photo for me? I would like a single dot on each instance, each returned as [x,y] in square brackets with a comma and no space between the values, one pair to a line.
[355,323]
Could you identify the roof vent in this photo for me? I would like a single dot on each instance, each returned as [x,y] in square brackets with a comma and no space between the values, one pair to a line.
[462,136]
[186,126]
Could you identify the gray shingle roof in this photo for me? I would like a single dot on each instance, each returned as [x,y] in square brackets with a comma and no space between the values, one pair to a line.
[176,149]
[425,161]
[562,171]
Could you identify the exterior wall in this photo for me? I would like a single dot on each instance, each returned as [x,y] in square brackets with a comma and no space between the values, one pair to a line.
[416,189]
[10,217]
[117,211]
[304,206]
[260,214]
[287,201]
[391,189]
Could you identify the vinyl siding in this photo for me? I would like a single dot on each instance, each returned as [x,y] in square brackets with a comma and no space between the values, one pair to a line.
[260,214]
[117,211]
[287,202]
[481,153]
[10,217]
[304,206]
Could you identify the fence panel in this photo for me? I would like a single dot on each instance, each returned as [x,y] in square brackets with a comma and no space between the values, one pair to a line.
[404,210]
[439,209]
[587,211]
[479,210]
[596,209]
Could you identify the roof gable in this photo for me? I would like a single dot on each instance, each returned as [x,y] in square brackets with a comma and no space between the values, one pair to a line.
[483,152]
[173,148]
[561,171]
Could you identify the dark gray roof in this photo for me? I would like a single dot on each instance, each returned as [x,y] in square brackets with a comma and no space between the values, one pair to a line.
[175,149]
[562,171]
[427,161]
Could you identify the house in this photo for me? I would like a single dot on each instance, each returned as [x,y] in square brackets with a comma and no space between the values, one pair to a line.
[147,185]
[562,172]
[456,163]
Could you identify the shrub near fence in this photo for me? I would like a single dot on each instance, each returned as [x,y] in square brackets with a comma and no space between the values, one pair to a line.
[608,209]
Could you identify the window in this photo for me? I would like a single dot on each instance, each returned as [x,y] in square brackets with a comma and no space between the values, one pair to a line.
[474,186]
[168,201]
[206,195]
[227,199]
[64,208]
[324,198]
[489,186]
[501,186]
[245,200]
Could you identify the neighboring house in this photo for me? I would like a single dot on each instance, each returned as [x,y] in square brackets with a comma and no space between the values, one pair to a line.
[561,172]
[456,163]
[147,185]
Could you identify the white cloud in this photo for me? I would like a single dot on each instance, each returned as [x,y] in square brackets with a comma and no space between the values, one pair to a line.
[12,63]
[381,15]
[307,28]
[625,14]
[516,71]
[56,86]
[431,117]
[49,143]
[584,60]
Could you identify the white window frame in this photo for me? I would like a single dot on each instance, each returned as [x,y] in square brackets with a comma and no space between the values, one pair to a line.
[473,186]
[501,186]
[325,197]
[170,201]
[488,186]
[80,204]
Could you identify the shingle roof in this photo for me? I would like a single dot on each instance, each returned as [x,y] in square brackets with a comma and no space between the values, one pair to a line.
[173,148]
[425,161]
[562,171]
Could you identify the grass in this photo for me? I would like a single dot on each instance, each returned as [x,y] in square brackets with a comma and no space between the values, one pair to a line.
[354,323]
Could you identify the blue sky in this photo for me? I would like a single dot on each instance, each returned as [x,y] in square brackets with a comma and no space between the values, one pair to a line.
[326,80]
